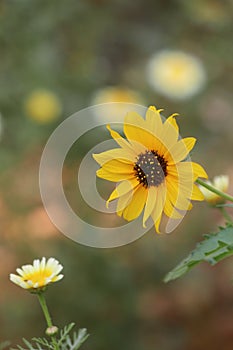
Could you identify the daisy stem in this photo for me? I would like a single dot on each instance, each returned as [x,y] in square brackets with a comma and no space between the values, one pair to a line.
[214,190]
[47,316]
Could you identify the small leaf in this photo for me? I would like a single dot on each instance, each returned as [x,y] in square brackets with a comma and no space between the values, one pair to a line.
[64,343]
[64,332]
[215,247]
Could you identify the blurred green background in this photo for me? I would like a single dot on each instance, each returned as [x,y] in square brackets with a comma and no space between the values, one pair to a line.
[72,49]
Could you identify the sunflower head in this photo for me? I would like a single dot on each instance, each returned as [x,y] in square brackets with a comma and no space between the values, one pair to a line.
[151,168]
[37,276]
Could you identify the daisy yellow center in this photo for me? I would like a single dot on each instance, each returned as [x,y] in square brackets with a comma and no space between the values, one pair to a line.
[38,277]
[150,168]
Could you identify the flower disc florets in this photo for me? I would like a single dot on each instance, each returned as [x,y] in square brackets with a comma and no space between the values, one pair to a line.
[150,168]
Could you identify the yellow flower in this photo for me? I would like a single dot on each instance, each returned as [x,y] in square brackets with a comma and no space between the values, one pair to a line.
[116,94]
[152,168]
[175,74]
[42,106]
[121,95]
[221,183]
[37,276]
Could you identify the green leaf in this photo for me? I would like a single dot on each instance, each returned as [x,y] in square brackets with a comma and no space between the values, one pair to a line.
[29,346]
[44,342]
[64,332]
[72,343]
[215,247]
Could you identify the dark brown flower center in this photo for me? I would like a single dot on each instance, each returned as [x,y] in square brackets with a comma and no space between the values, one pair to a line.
[150,168]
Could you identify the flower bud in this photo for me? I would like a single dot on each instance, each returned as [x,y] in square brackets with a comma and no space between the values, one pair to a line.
[51,330]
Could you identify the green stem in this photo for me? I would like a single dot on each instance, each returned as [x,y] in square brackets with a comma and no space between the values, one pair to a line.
[226,215]
[45,309]
[47,316]
[214,190]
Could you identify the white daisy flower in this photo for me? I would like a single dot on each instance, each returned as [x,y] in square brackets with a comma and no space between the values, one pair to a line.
[38,275]
[175,74]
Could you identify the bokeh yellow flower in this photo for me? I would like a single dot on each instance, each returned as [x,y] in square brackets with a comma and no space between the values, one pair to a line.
[116,111]
[43,106]
[152,169]
[116,94]
[37,276]
[221,183]
[175,74]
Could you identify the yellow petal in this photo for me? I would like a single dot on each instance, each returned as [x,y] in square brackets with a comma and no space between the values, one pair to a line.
[170,210]
[150,203]
[183,172]
[197,195]
[114,177]
[121,153]
[186,170]
[159,206]
[121,141]
[135,119]
[199,171]
[135,129]
[170,132]
[178,195]
[119,166]
[157,224]
[138,147]
[172,120]
[123,201]
[150,133]
[123,188]
[135,207]
[180,150]
[168,136]
[154,121]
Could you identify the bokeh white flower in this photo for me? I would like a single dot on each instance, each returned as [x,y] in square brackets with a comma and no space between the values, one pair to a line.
[42,106]
[175,74]
[221,183]
[38,275]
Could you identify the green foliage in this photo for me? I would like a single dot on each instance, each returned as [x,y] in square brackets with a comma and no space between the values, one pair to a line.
[65,341]
[213,248]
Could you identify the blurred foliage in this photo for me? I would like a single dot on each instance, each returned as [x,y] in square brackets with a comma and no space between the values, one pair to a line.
[213,248]
[64,342]
[74,48]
